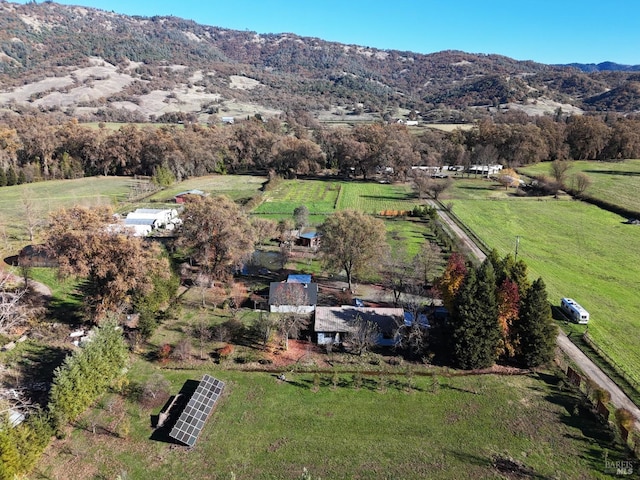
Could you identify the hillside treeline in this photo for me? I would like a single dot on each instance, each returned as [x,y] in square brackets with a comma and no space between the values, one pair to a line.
[44,39]
[32,148]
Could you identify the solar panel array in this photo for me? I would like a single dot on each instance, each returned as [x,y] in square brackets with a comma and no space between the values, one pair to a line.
[195,414]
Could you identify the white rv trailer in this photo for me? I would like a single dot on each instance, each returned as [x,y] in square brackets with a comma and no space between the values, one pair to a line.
[574,311]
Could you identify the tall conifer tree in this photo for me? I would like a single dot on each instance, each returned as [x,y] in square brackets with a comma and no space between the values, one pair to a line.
[475,332]
[536,330]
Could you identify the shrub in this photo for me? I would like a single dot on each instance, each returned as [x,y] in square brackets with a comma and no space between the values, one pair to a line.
[164,353]
[225,352]
[624,418]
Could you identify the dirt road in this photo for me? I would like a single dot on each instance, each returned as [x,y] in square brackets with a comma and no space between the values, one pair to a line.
[618,398]
[591,370]
[464,238]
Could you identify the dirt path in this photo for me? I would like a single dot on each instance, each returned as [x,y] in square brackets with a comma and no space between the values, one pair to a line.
[464,238]
[591,370]
[618,398]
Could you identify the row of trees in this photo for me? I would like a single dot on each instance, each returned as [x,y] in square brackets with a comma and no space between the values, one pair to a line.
[495,314]
[33,149]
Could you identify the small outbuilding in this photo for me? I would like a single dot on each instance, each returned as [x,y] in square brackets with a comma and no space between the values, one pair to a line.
[309,239]
[182,197]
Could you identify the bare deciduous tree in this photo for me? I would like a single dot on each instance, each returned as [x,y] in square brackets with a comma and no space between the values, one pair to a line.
[264,327]
[559,169]
[203,333]
[32,216]
[580,183]
[426,262]
[13,312]
[294,320]
[363,336]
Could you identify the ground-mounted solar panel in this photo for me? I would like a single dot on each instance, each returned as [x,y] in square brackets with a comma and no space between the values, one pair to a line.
[195,414]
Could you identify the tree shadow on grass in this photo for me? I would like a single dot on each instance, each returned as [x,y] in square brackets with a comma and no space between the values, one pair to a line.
[161,434]
[36,367]
[68,311]
[578,414]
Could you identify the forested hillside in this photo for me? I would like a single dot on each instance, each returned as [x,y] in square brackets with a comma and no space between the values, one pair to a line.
[100,65]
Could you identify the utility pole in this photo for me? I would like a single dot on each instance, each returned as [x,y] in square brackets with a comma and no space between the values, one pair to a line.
[517,244]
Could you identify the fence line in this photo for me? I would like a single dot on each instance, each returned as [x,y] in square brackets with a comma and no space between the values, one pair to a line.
[612,363]
[477,240]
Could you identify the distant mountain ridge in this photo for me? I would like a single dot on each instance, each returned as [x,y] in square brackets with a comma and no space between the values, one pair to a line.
[99,65]
[603,67]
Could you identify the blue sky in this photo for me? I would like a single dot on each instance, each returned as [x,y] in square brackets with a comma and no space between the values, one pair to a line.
[558,31]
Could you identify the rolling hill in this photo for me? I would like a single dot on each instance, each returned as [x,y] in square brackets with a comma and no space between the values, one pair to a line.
[99,65]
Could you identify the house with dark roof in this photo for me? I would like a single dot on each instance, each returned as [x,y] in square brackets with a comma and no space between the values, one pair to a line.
[36,256]
[334,324]
[294,297]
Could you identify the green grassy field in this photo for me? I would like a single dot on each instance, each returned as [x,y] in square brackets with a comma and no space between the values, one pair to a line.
[265,429]
[615,182]
[235,187]
[323,197]
[579,250]
[319,196]
[53,195]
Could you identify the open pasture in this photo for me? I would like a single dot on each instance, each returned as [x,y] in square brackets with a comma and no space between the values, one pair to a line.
[438,428]
[581,252]
[49,196]
[235,187]
[617,183]
[318,195]
[324,197]
[374,198]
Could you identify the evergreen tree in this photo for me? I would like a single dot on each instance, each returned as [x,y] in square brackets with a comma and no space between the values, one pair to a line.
[87,373]
[22,178]
[3,178]
[475,332]
[519,274]
[536,331]
[12,177]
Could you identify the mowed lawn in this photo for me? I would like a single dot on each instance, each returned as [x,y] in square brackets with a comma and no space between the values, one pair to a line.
[265,429]
[581,252]
[318,196]
[324,197]
[614,182]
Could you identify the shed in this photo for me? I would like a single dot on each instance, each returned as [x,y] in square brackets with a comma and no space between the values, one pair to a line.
[182,197]
[309,239]
[298,278]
